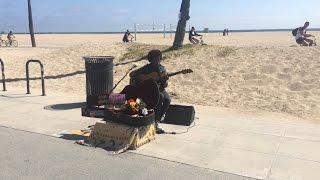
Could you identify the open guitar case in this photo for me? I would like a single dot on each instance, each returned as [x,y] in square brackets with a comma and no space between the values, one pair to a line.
[149,92]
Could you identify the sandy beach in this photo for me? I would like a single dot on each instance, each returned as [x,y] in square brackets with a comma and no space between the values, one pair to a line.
[261,71]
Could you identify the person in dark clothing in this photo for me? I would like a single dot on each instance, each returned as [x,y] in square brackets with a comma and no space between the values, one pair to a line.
[302,37]
[192,36]
[154,67]
[10,37]
[126,37]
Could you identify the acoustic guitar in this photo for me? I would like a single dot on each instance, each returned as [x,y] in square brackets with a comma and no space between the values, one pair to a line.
[144,77]
[158,77]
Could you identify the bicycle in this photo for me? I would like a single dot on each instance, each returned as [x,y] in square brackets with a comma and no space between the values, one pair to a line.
[2,42]
[201,41]
[314,41]
[13,43]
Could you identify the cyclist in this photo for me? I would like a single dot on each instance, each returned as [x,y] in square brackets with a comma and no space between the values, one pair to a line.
[126,37]
[2,42]
[302,37]
[192,36]
[10,37]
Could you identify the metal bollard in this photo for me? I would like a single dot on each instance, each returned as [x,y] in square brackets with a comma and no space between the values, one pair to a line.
[3,76]
[42,76]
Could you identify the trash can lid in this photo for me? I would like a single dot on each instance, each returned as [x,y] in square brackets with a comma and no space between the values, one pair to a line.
[98,57]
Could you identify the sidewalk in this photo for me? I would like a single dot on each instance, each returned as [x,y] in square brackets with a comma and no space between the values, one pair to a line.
[262,146]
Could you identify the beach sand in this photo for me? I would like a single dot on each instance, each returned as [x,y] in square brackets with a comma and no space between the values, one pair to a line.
[260,71]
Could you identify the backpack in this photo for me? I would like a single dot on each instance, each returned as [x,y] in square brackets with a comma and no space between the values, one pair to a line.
[295,31]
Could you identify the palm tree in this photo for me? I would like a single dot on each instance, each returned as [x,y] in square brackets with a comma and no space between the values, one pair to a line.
[181,28]
[33,41]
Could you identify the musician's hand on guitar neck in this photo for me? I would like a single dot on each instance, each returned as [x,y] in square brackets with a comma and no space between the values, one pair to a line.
[165,77]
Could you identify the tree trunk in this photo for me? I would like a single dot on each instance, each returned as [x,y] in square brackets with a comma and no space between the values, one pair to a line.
[181,28]
[33,41]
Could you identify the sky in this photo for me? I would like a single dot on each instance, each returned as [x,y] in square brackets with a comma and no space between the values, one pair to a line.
[119,15]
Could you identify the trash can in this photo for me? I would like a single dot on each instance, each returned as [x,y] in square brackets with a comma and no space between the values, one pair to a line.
[99,77]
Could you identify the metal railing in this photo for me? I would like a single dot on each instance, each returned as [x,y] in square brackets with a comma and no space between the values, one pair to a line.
[3,75]
[42,76]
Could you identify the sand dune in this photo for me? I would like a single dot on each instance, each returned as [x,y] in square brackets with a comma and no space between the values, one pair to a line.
[245,71]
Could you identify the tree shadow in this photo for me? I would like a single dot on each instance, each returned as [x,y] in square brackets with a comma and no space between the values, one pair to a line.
[129,62]
[60,76]
[66,106]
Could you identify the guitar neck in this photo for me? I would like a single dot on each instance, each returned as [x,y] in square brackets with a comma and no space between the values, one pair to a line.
[175,73]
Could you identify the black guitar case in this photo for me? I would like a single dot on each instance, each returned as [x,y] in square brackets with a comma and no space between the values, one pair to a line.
[180,115]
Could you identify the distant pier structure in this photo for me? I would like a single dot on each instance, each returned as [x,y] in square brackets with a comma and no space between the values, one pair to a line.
[205,30]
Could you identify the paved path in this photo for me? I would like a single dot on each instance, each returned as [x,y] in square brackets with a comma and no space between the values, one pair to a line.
[262,146]
[34,156]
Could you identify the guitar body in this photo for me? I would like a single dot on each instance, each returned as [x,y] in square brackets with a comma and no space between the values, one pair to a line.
[158,77]
[144,84]
[152,76]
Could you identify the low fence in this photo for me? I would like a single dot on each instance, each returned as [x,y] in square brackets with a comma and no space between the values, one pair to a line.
[28,78]
[3,75]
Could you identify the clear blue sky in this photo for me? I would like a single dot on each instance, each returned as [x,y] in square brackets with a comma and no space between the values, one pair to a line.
[118,15]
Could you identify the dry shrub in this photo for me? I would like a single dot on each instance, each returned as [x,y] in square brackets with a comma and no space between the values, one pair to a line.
[140,51]
[226,51]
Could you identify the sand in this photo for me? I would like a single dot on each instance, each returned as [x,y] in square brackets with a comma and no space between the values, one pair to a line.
[244,71]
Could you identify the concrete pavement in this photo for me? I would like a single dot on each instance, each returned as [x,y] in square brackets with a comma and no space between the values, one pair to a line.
[262,146]
[25,155]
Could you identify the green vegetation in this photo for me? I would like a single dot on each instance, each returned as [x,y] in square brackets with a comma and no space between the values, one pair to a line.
[140,51]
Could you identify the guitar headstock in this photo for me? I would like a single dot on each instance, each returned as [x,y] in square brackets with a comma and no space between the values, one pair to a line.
[186,71]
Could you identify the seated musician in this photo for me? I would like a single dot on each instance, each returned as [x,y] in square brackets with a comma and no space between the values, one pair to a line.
[147,73]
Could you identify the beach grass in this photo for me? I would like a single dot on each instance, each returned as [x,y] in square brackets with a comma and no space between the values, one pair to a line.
[140,51]
[226,51]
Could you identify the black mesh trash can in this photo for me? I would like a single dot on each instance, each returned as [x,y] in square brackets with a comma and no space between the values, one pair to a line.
[99,77]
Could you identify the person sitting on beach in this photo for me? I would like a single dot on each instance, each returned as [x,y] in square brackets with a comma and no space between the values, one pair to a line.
[192,36]
[301,36]
[154,57]
[126,37]
[10,37]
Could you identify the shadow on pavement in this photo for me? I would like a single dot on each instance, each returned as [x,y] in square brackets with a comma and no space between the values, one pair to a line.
[72,137]
[66,106]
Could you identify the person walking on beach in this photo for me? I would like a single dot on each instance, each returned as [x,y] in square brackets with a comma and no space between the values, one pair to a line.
[301,35]
[192,36]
